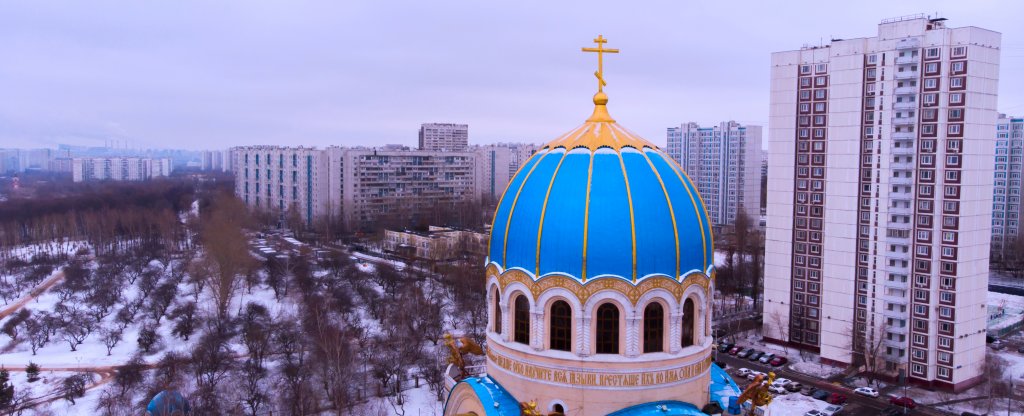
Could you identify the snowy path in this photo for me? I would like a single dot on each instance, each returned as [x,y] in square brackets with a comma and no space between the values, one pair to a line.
[55,278]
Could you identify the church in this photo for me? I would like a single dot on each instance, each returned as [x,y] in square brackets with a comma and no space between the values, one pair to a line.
[600,275]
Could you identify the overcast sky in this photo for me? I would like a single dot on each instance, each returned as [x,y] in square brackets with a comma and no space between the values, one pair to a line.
[214,74]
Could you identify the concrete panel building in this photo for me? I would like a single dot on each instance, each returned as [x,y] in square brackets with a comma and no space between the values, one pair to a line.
[119,168]
[444,137]
[279,179]
[1006,206]
[725,162]
[887,143]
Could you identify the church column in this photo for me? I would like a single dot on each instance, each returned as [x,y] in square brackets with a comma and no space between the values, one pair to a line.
[506,326]
[537,330]
[675,325]
[583,343]
[632,337]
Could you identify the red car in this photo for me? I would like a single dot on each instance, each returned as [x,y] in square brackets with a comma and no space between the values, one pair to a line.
[903,402]
[735,350]
[836,398]
[778,361]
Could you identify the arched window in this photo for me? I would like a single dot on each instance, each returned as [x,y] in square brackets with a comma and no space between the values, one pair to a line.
[559,409]
[497,311]
[607,329]
[654,329]
[561,326]
[688,322]
[522,320]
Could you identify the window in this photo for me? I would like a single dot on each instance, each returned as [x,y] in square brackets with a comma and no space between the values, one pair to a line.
[607,329]
[957,67]
[689,310]
[956,98]
[561,326]
[931,83]
[957,82]
[932,53]
[522,320]
[872,59]
[805,69]
[960,51]
[654,321]
[931,67]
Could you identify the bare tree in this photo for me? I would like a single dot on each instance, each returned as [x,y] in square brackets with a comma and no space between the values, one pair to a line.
[110,337]
[779,328]
[227,253]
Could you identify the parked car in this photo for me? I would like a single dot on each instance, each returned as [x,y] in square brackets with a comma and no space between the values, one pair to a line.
[754,374]
[810,391]
[766,358]
[778,361]
[997,345]
[734,350]
[743,372]
[866,391]
[892,411]
[837,398]
[721,364]
[744,352]
[822,395]
[832,410]
[903,402]
[755,355]
[1020,350]
[777,389]
[725,346]
[794,387]
[781,381]
[814,412]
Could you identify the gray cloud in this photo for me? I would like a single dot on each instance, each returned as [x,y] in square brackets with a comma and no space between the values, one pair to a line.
[199,74]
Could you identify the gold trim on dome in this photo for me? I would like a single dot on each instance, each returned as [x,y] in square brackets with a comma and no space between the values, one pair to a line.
[583,291]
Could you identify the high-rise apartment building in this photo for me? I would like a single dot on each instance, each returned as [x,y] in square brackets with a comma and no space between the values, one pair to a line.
[725,163]
[280,179]
[119,168]
[376,184]
[880,199]
[444,137]
[219,160]
[497,164]
[1006,206]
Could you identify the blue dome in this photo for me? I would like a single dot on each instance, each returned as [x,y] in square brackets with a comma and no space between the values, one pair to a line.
[600,201]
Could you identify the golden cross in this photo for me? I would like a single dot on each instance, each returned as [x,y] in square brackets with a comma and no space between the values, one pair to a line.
[600,49]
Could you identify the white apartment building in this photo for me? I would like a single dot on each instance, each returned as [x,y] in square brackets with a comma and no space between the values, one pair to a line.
[219,160]
[119,168]
[497,164]
[1006,206]
[376,184]
[725,163]
[880,199]
[444,137]
[279,179]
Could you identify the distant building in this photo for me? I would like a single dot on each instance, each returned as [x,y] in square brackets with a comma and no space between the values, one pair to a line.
[497,164]
[280,179]
[119,168]
[438,244]
[880,199]
[1006,206]
[444,137]
[22,160]
[218,160]
[374,184]
[725,163]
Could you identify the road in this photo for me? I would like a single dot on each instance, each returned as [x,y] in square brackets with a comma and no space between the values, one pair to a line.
[55,278]
[858,405]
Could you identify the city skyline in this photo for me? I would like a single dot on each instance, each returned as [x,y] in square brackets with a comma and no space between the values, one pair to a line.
[195,75]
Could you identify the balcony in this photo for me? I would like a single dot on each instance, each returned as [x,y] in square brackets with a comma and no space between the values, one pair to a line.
[897,329]
[904,135]
[893,299]
[907,59]
[904,121]
[901,165]
[904,105]
[908,43]
[898,256]
[894,343]
[897,314]
[901,181]
[903,151]
[905,90]
[907,74]
[896,284]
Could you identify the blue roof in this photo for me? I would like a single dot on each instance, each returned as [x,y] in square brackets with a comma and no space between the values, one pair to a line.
[628,213]
[662,408]
[722,386]
[496,400]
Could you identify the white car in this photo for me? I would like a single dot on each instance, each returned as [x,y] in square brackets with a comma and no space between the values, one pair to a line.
[754,374]
[781,382]
[743,372]
[866,391]
[813,412]
[831,409]
[778,389]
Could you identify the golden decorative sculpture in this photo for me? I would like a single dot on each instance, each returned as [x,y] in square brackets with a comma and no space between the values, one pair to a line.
[529,408]
[757,392]
[456,352]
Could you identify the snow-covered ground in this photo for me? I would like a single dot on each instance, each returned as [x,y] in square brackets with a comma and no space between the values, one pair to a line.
[794,404]
[815,369]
